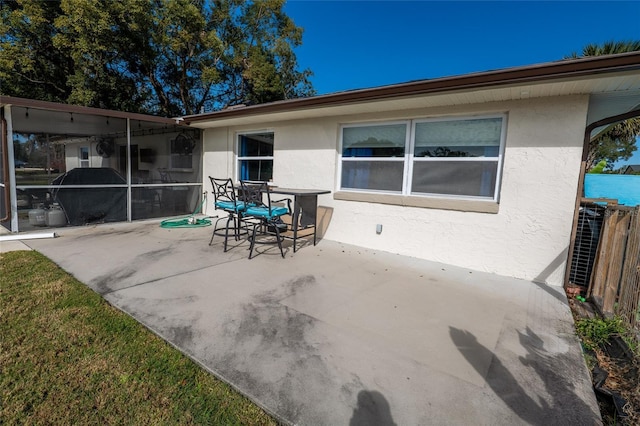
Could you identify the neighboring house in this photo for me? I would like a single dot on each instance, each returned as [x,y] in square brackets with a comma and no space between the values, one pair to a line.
[631,169]
[480,171]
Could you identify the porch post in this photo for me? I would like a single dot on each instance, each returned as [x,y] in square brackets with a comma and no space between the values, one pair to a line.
[128,169]
[13,205]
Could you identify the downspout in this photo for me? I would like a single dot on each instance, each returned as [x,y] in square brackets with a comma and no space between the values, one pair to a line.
[5,169]
[583,172]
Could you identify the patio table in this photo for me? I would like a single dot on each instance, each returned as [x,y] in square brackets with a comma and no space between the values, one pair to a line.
[305,209]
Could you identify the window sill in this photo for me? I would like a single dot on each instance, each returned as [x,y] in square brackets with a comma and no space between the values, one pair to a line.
[477,206]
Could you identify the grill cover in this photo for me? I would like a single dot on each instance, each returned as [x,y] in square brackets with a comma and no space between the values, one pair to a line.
[91,205]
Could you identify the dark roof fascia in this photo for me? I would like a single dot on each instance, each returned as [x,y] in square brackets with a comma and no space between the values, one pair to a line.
[76,109]
[570,68]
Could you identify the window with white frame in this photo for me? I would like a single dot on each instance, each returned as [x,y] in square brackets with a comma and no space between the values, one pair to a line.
[255,156]
[181,153]
[84,157]
[453,157]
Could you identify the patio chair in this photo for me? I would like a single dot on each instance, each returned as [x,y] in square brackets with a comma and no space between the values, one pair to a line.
[165,176]
[263,216]
[225,199]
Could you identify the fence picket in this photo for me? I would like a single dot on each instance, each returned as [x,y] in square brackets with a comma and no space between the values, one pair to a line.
[615,279]
[629,299]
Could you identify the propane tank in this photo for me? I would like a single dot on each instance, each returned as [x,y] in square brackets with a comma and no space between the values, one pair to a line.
[55,216]
[37,217]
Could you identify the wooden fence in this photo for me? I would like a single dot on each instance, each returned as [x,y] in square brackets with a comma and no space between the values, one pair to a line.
[615,280]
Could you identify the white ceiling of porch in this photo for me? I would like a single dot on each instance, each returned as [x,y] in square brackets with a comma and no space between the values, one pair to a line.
[40,121]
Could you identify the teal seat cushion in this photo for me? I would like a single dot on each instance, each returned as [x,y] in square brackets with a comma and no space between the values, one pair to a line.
[264,211]
[230,206]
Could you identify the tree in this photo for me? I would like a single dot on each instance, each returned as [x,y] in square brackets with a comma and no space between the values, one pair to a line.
[608,48]
[618,141]
[168,57]
[30,66]
[599,168]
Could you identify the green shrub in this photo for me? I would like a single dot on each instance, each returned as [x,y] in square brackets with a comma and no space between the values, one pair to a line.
[596,332]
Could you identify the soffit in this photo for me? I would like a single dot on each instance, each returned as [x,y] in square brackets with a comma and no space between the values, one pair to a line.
[607,105]
[604,105]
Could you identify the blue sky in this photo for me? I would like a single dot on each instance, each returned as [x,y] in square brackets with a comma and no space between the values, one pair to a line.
[359,44]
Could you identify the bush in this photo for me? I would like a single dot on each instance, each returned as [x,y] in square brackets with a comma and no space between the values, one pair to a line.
[596,332]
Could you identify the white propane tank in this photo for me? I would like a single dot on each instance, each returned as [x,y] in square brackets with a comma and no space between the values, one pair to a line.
[55,216]
[37,217]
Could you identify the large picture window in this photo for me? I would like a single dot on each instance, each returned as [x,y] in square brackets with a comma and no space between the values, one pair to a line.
[458,158]
[255,156]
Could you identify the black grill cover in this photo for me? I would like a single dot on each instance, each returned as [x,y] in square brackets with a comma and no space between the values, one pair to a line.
[91,205]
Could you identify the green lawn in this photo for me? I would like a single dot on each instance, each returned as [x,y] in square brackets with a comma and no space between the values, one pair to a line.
[68,357]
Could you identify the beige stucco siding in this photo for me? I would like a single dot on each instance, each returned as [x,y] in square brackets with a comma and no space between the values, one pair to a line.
[218,155]
[527,237]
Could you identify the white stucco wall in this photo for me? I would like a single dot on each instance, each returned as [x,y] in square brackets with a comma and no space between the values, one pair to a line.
[529,236]
[72,155]
[159,144]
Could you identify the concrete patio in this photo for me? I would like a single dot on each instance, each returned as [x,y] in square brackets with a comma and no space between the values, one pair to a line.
[340,335]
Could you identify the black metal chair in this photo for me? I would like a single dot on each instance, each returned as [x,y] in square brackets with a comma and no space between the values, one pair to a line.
[262,214]
[225,199]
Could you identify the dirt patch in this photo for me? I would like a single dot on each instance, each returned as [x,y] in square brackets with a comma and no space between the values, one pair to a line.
[615,373]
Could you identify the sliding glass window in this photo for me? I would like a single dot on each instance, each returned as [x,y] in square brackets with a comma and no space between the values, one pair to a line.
[454,157]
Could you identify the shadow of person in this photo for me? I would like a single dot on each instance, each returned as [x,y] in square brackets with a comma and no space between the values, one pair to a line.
[558,372]
[372,410]
[567,407]
[506,386]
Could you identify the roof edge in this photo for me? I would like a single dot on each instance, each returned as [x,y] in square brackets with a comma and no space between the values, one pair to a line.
[523,74]
[77,109]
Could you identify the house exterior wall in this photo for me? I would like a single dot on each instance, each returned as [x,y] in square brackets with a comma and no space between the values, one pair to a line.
[147,171]
[528,236]
[72,155]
